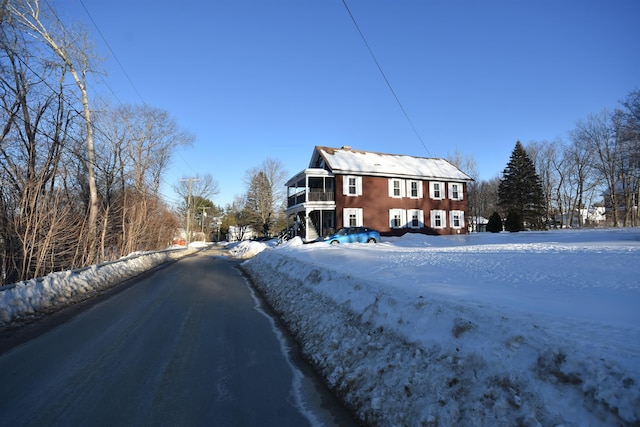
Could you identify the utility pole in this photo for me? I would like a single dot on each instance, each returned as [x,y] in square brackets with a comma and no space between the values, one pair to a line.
[189,208]
[202,217]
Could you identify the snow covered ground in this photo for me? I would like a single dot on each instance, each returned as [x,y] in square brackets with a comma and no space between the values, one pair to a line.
[44,294]
[529,329]
[535,328]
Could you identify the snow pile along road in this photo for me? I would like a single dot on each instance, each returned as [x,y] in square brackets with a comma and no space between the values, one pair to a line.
[511,329]
[61,289]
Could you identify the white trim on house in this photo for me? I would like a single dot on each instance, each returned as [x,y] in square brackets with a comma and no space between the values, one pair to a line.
[455,191]
[397,218]
[436,190]
[456,219]
[396,188]
[352,185]
[411,183]
[352,217]
[438,218]
[415,215]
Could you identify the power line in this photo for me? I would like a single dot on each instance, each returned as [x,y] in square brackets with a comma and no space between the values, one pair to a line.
[113,53]
[393,92]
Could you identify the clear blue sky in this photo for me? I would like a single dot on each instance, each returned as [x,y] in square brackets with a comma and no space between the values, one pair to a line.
[269,78]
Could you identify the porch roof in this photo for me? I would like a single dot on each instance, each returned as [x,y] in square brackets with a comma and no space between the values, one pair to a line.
[299,178]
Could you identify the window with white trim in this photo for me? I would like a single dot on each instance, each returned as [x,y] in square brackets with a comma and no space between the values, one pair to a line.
[396,188]
[397,218]
[455,191]
[436,190]
[438,219]
[457,219]
[415,189]
[352,185]
[352,217]
[415,218]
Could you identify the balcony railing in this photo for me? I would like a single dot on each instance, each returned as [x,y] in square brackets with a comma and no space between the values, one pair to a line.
[314,196]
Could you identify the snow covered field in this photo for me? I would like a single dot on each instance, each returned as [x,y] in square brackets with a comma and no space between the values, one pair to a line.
[533,328]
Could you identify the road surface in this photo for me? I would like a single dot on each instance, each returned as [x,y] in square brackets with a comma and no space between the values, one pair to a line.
[188,345]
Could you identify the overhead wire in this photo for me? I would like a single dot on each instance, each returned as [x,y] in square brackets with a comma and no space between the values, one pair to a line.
[125,73]
[384,76]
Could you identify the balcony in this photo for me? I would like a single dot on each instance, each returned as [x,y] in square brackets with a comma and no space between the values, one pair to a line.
[311,186]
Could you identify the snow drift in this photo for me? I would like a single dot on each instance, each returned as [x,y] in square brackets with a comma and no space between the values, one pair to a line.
[511,329]
[61,289]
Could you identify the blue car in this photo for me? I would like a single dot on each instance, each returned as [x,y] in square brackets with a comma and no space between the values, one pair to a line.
[353,235]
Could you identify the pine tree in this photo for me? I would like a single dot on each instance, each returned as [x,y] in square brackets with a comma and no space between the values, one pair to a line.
[520,190]
[495,223]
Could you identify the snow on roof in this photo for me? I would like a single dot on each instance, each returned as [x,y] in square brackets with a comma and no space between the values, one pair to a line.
[347,160]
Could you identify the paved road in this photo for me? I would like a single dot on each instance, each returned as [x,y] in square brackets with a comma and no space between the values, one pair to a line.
[184,346]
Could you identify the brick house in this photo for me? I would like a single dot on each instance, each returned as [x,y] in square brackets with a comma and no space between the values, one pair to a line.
[391,193]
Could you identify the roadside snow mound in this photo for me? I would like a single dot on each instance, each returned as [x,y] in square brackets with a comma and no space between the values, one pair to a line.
[246,249]
[458,333]
[60,289]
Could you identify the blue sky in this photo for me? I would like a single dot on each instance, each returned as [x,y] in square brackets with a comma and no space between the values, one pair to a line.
[267,78]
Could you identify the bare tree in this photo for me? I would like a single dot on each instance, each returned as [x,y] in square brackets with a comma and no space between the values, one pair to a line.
[578,158]
[549,165]
[265,195]
[134,146]
[76,59]
[627,127]
[204,187]
[598,135]
[35,130]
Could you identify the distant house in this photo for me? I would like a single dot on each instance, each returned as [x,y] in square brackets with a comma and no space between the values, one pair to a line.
[391,193]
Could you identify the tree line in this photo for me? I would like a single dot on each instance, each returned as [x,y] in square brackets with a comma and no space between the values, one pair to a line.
[598,166]
[79,178]
[258,212]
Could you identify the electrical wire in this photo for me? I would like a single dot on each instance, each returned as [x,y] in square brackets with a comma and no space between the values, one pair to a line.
[384,76]
[104,39]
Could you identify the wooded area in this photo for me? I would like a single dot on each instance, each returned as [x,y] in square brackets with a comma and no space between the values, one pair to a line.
[78,185]
[598,167]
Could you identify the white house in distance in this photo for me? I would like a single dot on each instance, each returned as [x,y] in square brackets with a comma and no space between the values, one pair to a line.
[389,192]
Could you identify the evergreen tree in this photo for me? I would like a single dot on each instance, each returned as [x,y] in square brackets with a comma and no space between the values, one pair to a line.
[520,190]
[513,223]
[495,223]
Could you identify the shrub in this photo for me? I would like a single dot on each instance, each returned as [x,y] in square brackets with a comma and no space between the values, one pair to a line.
[495,223]
[514,222]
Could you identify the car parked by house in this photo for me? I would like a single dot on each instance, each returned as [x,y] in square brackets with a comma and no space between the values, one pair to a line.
[353,235]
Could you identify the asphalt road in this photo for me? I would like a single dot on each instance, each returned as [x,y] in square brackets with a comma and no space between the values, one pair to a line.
[188,345]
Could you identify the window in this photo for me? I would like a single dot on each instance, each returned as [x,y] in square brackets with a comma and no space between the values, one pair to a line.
[455,191]
[457,219]
[352,217]
[397,218]
[396,188]
[353,188]
[438,219]
[416,218]
[436,189]
[415,189]
[352,185]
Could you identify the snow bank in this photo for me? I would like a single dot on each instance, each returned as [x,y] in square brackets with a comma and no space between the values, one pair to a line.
[64,288]
[249,248]
[511,329]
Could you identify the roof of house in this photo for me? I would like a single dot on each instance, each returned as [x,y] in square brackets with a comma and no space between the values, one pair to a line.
[345,160]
